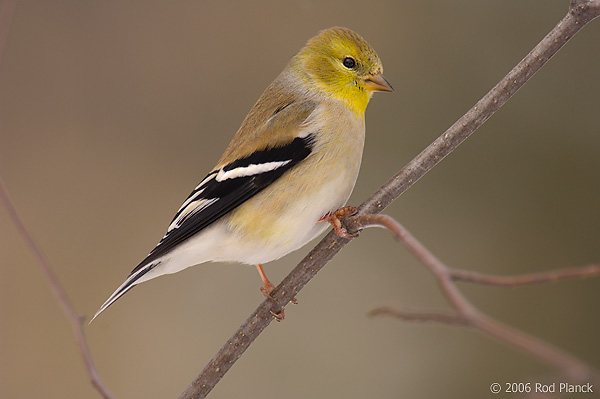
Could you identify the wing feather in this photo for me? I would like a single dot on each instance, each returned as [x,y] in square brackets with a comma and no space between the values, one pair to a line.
[229,186]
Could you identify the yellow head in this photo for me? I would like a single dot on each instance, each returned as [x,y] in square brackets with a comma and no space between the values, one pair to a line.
[340,63]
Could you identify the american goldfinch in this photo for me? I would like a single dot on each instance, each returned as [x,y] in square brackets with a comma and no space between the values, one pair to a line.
[292,164]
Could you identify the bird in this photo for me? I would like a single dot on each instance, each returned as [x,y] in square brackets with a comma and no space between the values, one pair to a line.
[288,171]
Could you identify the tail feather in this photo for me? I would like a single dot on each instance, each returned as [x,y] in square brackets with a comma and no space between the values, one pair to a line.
[129,283]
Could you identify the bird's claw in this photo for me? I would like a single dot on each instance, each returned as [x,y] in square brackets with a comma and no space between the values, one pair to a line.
[267,289]
[334,218]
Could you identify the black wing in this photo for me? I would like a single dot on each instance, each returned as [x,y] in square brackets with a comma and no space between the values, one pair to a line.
[224,190]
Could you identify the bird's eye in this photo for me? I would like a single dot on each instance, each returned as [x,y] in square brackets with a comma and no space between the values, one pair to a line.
[349,62]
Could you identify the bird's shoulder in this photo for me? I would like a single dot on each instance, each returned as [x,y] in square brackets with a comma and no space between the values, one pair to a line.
[279,116]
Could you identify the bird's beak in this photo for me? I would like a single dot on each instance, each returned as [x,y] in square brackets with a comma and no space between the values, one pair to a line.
[377,83]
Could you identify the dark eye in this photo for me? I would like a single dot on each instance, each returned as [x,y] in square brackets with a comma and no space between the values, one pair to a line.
[349,62]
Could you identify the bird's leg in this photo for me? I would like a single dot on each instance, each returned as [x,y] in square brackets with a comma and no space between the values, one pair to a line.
[335,218]
[267,289]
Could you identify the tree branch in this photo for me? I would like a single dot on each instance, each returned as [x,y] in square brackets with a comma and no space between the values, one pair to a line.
[526,279]
[467,313]
[358,223]
[59,293]
[7,10]
[408,315]
[580,13]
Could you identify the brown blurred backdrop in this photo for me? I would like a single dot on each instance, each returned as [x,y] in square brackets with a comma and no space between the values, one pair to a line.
[111,112]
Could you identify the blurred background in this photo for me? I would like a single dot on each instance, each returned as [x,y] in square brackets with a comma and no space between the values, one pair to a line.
[111,112]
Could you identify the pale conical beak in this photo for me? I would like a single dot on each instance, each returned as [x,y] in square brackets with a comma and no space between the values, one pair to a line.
[377,83]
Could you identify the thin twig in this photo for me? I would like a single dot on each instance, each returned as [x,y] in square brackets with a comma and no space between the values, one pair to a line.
[467,313]
[7,10]
[408,315]
[357,223]
[436,266]
[58,291]
[526,279]
[580,13]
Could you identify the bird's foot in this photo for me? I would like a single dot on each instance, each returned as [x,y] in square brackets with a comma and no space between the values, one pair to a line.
[267,289]
[334,218]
